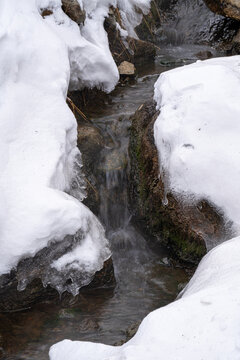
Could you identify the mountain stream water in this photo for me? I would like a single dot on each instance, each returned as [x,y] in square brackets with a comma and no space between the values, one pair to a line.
[145,279]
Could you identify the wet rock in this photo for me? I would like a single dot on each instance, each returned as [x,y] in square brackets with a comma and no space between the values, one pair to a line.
[228,8]
[203,55]
[235,46]
[126,69]
[12,300]
[182,227]
[130,332]
[179,22]
[127,49]
[74,11]
[90,143]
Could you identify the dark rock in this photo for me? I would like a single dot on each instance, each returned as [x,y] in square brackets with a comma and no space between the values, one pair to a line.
[228,8]
[132,50]
[90,143]
[12,300]
[185,22]
[182,227]
[235,48]
[74,11]
[46,12]
[203,55]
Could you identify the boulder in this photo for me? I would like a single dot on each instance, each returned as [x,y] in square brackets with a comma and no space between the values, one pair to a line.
[182,227]
[228,8]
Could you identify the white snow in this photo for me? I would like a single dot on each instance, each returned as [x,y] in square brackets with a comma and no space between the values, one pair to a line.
[38,136]
[40,59]
[197,132]
[204,324]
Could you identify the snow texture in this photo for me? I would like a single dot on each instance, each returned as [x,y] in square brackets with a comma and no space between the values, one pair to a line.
[203,324]
[197,132]
[197,137]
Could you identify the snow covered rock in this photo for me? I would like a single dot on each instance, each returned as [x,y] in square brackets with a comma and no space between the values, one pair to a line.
[38,149]
[196,133]
[184,227]
[45,230]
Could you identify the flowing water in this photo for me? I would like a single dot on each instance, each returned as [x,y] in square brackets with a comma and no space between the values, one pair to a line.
[145,279]
[190,22]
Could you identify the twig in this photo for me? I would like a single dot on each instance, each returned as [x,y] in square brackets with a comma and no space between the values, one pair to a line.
[75,108]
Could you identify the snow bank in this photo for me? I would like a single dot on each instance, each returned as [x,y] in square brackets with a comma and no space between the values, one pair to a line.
[39,58]
[197,132]
[203,324]
[38,136]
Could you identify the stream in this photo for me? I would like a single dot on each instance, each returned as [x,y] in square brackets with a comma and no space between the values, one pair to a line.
[145,278]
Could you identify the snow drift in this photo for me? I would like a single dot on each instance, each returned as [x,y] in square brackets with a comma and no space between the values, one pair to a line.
[197,137]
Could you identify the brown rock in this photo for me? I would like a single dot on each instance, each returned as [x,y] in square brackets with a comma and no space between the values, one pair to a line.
[185,228]
[46,12]
[228,8]
[74,11]
[204,54]
[132,50]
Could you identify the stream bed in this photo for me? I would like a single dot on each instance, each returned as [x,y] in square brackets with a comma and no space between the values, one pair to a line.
[145,278]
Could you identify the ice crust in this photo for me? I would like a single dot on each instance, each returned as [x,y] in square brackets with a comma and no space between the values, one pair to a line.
[196,135]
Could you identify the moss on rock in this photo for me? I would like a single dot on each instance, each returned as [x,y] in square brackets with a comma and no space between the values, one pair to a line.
[184,228]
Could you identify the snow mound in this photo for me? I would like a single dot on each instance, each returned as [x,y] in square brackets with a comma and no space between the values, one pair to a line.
[203,324]
[197,132]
